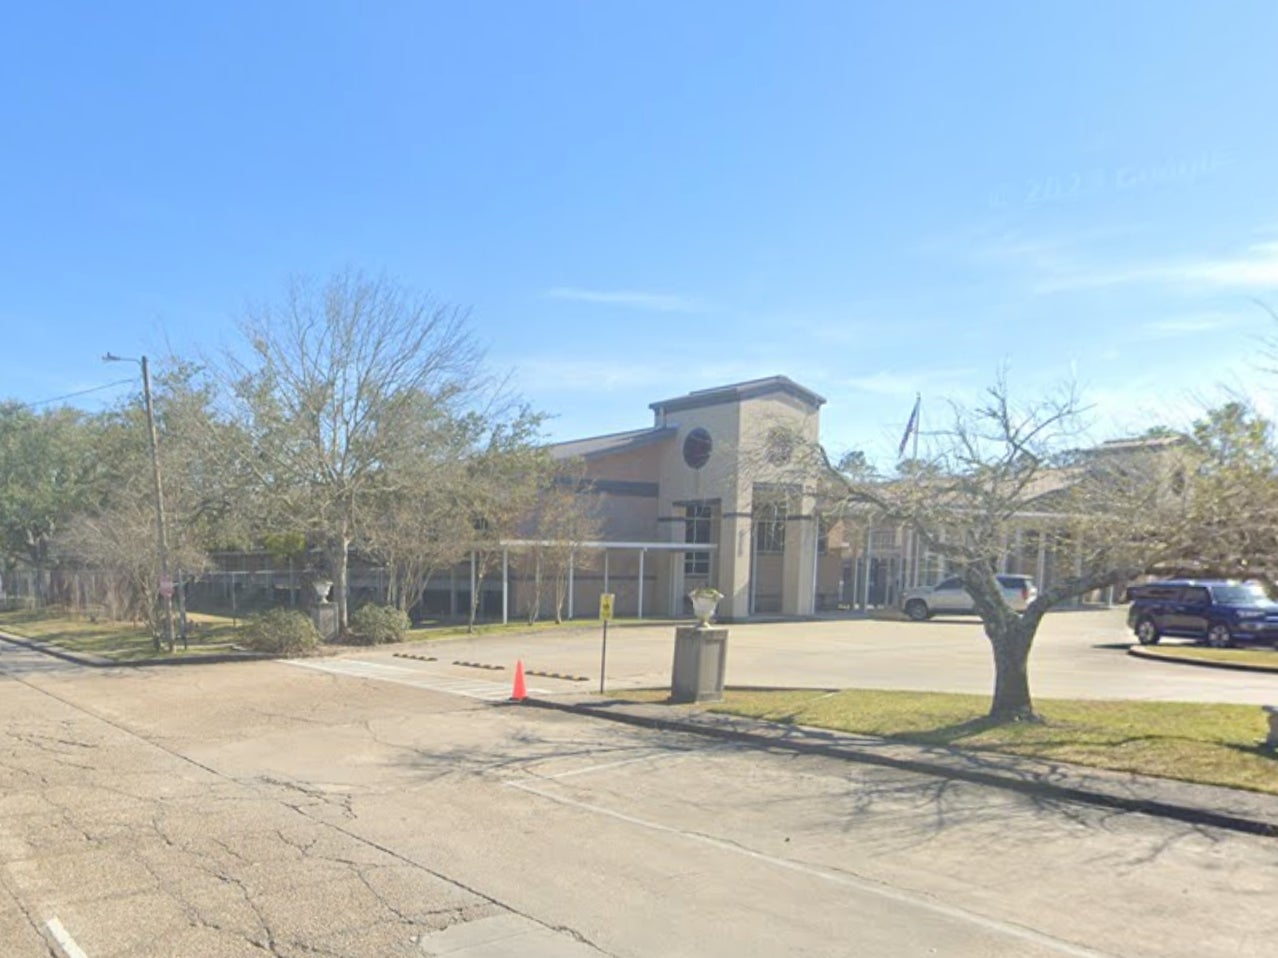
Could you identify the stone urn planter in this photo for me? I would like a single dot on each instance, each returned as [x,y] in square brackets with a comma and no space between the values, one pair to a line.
[704,602]
[321,587]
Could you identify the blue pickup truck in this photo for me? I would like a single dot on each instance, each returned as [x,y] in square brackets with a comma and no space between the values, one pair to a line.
[1219,612]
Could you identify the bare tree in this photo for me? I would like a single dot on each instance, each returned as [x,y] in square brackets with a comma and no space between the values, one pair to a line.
[567,515]
[345,383]
[112,533]
[503,478]
[418,530]
[1001,465]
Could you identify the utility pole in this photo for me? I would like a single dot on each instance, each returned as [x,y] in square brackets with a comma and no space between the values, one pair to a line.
[165,583]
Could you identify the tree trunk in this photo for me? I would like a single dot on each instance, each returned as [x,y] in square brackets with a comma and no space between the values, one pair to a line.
[561,593]
[338,558]
[476,588]
[534,606]
[1011,644]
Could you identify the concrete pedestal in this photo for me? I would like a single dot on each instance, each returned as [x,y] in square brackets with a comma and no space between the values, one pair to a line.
[325,619]
[699,659]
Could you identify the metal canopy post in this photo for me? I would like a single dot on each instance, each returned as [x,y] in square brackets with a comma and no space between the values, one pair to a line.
[869,562]
[572,603]
[641,555]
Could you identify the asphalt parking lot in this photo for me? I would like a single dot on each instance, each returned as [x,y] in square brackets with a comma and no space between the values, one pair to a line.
[1077,654]
[271,808]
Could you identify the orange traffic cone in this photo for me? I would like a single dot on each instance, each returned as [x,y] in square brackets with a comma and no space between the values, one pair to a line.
[519,693]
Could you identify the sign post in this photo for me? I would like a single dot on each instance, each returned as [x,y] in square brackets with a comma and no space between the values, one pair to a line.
[605,613]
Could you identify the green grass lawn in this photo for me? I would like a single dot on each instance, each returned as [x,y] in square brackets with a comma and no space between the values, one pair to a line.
[1255,657]
[126,642]
[122,641]
[1210,744]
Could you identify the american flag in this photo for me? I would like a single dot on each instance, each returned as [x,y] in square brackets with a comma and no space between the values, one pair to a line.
[911,427]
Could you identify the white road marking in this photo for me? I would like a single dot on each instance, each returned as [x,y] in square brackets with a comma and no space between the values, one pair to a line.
[416,678]
[1009,929]
[655,756]
[64,940]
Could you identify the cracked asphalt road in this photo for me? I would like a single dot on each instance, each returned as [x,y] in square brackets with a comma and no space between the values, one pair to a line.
[260,809]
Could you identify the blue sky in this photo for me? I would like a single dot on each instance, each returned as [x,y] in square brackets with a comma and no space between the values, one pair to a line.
[638,200]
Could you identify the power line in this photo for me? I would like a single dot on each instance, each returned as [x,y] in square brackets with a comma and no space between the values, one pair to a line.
[82,392]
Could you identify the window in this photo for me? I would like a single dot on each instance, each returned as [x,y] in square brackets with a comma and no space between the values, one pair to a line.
[697,519]
[823,535]
[1249,593]
[769,528]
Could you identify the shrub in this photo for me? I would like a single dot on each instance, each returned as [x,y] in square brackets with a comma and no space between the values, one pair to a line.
[378,624]
[281,632]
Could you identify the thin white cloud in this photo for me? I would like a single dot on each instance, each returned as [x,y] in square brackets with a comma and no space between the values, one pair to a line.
[550,375]
[1254,269]
[1257,268]
[887,383]
[1189,325]
[633,299]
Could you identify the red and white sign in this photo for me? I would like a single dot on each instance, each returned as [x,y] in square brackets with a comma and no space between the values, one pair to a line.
[166,587]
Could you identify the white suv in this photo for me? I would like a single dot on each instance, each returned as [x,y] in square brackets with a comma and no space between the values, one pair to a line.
[949,596]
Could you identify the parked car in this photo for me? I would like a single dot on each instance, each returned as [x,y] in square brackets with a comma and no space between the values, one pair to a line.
[1219,612]
[948,596]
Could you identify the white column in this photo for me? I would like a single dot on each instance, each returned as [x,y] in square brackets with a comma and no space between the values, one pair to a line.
[865,576]
[816,559]
[605,588]
[572,605]
[640,610]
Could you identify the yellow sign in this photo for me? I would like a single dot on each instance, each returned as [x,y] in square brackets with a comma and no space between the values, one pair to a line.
[605,605]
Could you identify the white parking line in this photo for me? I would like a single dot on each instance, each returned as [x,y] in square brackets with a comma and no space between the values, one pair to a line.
[654,756]
[868,886]
[64,940]
[416,678]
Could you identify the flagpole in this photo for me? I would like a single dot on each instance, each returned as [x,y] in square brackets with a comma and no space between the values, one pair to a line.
[918,421]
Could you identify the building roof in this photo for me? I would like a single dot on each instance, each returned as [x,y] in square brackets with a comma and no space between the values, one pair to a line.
[1143,444]
[611,444]
[736,392]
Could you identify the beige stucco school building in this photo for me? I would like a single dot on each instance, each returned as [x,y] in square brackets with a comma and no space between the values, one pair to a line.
[706,495]
[719,490]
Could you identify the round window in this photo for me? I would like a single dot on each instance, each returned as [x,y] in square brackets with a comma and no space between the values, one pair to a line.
[696,448]
[780,446]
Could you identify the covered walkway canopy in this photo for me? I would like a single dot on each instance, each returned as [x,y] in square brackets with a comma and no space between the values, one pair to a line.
[524,545]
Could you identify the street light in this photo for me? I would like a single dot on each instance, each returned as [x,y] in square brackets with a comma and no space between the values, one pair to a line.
[166,584]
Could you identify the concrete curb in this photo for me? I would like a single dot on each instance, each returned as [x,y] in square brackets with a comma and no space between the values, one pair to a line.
[1137,652]
[96,661]
[102,662]
[1233,809]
